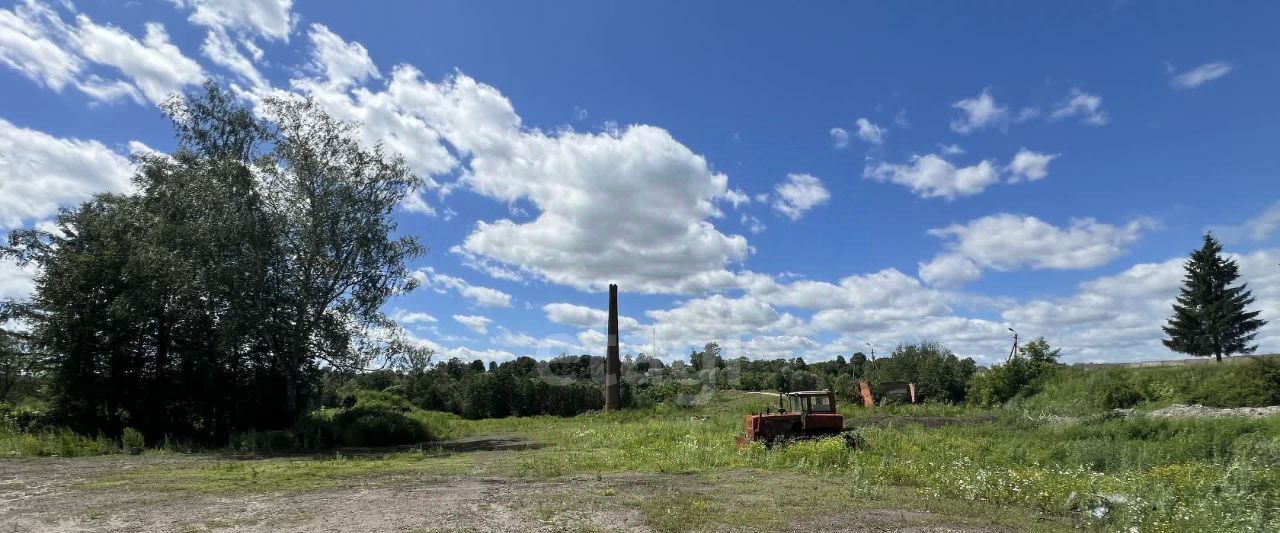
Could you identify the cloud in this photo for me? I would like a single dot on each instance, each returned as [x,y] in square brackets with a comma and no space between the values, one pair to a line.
[412,317]
[16,282]
[1266,223]
[443,283]
[40,173]
[585,317]
[719,317]
[799,193]
[1009,242]
[270,19]
[1081,104]
[1029,165]
[931,176]
[1118,317]
[951,149]
[737,198]
[479,324]
[1257,228]
[1201,75]
[444,353]
[581,233]
[978,113]
[839,137]
[753,224]
[36,41]
[28,45]
[949,270]
[341,62]
[221,49]
[900,119]
[657,240]
[153,64]
[869,132]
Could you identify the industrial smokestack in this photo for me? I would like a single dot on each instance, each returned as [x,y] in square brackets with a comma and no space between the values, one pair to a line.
[612,364]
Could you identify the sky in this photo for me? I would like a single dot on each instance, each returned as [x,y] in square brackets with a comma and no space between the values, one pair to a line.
[786,180]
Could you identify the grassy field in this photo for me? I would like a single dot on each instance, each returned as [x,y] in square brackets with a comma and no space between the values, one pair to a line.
[1008,466]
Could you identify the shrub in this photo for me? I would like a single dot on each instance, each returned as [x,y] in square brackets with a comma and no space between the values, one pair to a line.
[21,418]
[1117,392]
[59,442]
[1022,376]
[133,441]
[1254,384]
[674,392]
[376,418]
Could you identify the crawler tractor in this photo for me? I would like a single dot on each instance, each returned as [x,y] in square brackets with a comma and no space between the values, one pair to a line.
[809,415]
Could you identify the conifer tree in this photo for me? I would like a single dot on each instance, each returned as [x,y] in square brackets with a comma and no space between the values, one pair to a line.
[1210,316]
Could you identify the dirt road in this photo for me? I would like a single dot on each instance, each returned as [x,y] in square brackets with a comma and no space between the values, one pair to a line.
[57,495]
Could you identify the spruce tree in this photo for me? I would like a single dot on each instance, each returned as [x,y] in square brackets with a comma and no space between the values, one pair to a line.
[1209,317]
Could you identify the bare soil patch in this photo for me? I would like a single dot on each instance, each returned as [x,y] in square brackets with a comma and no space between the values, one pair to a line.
[51,495]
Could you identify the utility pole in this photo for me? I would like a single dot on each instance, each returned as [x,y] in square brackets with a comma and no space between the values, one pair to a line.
[873,351]
[1014,349]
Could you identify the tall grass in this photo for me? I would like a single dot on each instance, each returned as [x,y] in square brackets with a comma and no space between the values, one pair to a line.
[1115,473]
[54,443]
[1072,391]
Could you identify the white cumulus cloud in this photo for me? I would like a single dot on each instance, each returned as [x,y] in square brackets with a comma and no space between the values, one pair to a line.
[40,173]
[479,324]
[1008,242]
[1081,104]
[1029,165]
[869,132]
[799,193]
[931,176]
[443,283]
[978,113]
[839,137]
[266,18]
[340,61]
[585,317]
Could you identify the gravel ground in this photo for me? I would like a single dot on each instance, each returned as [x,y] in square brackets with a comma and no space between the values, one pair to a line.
[1200,411]
[45,495]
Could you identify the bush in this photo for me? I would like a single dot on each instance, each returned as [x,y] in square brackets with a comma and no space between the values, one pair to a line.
[1254,384]
[21,418]
[1118,392]
[376,418]
[133,441]
[1019,377]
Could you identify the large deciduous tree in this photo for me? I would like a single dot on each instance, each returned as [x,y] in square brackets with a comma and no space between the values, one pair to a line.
[260,250]
[1211,316]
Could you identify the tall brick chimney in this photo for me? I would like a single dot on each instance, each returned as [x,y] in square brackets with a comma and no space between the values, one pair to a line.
[612,364]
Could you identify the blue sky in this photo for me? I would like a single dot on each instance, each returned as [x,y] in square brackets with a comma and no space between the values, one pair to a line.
[785,181]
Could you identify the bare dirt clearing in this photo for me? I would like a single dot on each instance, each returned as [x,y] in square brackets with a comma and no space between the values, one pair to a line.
[66,495]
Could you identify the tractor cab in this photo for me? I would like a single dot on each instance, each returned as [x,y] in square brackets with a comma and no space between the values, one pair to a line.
[800,415]
[823,401]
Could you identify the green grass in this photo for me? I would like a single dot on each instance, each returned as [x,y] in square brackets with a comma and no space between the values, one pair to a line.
[1099,471]
[54,443]
[1074,391]
[280,474]
[1153,474]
